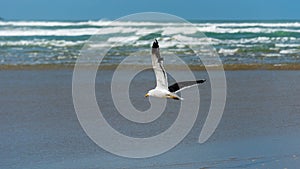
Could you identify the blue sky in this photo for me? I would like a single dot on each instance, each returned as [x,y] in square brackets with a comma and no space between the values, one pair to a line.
[113,9]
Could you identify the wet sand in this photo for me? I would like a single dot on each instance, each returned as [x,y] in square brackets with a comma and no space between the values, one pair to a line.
[260,127]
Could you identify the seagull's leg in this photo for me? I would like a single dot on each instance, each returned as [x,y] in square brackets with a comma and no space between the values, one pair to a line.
[171,96]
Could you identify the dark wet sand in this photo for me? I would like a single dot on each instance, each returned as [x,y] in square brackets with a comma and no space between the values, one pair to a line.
[260,127]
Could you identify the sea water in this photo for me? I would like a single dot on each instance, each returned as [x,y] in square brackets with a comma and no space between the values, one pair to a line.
[236,42]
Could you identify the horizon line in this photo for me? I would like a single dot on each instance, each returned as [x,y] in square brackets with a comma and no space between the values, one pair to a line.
[191,19]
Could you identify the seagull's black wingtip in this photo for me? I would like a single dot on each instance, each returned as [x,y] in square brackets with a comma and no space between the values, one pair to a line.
[155,44]
[201,81]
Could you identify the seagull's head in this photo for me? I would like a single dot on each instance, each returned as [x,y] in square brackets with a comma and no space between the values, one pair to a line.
[150,93]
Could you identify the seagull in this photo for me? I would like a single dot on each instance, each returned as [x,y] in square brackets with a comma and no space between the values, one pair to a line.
[162,90]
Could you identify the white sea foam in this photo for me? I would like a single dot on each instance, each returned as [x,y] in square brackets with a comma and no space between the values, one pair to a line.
[271,54]
[177,30]
[287,45]
[44,32]
[259,40]
[289,51]
[39,23]
[42,42]
[251,24]
[142,43]
[196,41]
[123,39]
[215,29]
[279,64]
[227,51]
[65,32]
[147,31]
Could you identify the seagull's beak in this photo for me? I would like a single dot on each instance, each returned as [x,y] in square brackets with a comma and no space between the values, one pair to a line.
[147,95]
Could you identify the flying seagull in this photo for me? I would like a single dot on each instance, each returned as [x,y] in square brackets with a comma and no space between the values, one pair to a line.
[162,90]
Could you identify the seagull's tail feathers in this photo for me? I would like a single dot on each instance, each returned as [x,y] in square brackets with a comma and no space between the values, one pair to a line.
[155,44]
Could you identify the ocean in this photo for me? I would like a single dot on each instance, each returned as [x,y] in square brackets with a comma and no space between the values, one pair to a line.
[236,42]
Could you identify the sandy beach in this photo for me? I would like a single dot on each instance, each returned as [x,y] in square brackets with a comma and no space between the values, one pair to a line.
[259,129]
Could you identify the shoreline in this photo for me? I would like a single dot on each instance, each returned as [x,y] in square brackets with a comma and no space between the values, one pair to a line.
[232,67]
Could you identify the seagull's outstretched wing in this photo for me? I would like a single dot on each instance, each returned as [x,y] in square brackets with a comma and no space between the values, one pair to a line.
[159,70]
[177,87]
